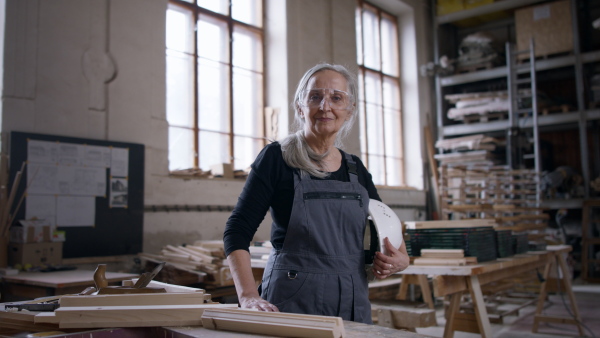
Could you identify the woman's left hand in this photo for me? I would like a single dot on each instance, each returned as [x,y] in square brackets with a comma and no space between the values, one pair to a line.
[395,260]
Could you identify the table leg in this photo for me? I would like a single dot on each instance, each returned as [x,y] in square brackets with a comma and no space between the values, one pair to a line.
[566,278]
[542,297]
[426,291]
[453,310]
[483,321]
[560,260]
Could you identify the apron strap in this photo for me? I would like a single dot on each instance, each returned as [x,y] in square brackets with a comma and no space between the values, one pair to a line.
[352,168]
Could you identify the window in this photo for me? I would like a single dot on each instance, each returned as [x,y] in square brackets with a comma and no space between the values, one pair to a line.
[379,98]
[214,58]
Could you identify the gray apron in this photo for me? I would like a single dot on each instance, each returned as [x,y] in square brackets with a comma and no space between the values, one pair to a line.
[321,267]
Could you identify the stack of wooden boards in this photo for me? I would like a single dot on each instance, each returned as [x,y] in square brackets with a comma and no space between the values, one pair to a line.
[204,258]
[177,307]
[480,106]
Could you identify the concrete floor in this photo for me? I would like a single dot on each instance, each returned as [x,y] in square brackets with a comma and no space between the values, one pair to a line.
[588,302]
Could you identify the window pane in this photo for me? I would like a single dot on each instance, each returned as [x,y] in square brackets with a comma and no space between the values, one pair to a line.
[394,171]
[179,30]
[218,6]
[180,100]
[213,39]
[246,150]
[389,47]
[181,148]
[375,130]
[359,42]
[393,137]
[371,40]
[247,11]
[373,88]
[377,169]
[214,149]
[213,96]
[391,93]
[247,51]
[247,103]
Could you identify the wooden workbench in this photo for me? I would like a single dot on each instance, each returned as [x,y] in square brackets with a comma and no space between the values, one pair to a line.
[352,329]
[31,285]
[453,281]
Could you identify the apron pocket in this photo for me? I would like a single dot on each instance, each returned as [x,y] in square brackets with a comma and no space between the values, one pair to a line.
[288,289]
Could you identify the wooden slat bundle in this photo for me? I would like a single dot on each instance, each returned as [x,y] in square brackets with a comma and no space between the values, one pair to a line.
[203,257]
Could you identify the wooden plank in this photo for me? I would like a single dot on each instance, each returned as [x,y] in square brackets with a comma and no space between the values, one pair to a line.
[470,223]
[178,298]
[171,287]
[440,261]
[46,318]
[447,285]
[442,253]
[274,323]
[133,316]
[433,168]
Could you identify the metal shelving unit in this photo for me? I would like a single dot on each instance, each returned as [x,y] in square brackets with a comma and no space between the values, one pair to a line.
[578,118]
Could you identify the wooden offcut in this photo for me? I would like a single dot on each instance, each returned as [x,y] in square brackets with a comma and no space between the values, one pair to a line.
[273,323]
[400,315]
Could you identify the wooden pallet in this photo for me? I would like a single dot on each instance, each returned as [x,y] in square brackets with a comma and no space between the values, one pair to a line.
[474,67]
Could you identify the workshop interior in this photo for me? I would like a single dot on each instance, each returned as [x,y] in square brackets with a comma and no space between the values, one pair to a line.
[130,128]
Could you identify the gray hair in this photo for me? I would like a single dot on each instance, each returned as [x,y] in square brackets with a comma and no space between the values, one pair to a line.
[296,152]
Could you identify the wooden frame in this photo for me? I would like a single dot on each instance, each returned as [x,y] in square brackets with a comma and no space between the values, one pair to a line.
[274,323]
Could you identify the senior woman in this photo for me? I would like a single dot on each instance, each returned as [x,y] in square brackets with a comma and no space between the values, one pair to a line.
[318,196]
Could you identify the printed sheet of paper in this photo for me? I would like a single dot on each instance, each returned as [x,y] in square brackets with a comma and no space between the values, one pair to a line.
[42,179]
[70,154]
[96,156]
[119,166]
[42,151]
[82,181]
[75,211]
[41,207]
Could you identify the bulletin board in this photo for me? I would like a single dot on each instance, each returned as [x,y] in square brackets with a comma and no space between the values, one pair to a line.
[93,190]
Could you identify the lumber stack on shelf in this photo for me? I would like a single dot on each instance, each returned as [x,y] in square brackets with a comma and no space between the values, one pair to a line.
[472,142]
[273,323]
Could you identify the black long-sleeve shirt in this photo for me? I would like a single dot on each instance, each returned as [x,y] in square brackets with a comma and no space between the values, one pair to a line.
[271,185]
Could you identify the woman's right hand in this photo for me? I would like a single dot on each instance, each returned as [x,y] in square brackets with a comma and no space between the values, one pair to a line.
[257,303]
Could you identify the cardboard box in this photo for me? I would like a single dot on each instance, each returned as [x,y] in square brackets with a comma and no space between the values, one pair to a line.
[549,24]
[31,233]
[36,254]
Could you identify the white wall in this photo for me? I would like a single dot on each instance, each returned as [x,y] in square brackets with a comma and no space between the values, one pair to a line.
[96,69]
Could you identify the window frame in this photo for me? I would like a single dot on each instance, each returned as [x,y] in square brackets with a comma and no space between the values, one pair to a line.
[232,24]
[382,77]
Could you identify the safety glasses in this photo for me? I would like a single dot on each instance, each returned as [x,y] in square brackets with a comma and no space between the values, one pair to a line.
[316,98]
